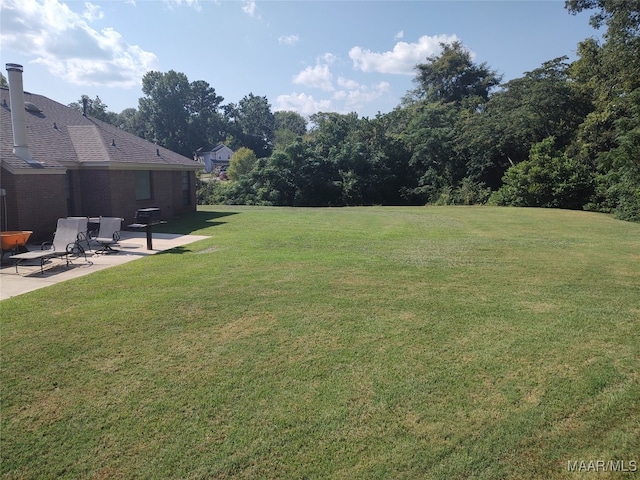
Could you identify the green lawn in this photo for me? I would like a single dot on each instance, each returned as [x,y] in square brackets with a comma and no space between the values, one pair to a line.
[435,342]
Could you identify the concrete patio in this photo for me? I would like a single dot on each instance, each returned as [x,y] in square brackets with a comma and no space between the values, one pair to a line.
[132,246]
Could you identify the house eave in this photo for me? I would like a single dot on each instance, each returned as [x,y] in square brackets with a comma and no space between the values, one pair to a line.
[34,170]
[131,166]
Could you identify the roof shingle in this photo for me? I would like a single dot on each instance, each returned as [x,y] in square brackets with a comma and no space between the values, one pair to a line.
[60,136]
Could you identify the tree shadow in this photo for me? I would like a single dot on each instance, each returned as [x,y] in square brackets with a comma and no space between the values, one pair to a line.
[192,222]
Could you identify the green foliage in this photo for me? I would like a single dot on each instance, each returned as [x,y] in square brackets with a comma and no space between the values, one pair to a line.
[432,140]
[470,192]
[618,178]
[610,74]
[95,108]
[542,103]
[218,192]
[343,161]
[253,125]
[131,120]
[297,176]
[453,139]
[288,127]
[452,76]
[164,108]
[179,115]
[291,121]
[547,179]
[242,162]
[283,138]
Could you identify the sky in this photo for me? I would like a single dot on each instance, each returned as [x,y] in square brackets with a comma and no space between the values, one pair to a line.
[306,56]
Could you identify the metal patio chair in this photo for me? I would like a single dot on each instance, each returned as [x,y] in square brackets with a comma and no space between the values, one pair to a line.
[65,243]
[109,234]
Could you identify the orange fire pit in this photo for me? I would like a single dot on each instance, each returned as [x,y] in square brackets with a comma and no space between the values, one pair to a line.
[14,239]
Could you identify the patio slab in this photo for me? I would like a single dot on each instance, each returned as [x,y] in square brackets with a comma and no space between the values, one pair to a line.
[132,246]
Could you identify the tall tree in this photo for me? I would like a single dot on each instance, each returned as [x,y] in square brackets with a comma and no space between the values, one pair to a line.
[95,108]
[207,125]
[610,73]
[288,127]
[242,162]
[179,115]
[292,121]
[542,103]
[431,138]
[450,89]
[256,124]
[452,76]
[131,120]
[165,109]
[331,130]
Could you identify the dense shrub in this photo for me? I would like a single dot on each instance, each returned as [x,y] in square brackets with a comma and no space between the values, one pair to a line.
[547,179]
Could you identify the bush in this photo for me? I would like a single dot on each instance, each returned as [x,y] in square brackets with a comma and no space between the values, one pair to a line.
[219,192]
[467,193]
[547,179]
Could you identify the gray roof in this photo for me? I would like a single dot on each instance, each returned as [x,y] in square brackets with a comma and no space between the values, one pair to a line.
[60,137]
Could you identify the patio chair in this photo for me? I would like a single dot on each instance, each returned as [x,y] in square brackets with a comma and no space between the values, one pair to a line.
[109,234]
[83,230]
[65,243]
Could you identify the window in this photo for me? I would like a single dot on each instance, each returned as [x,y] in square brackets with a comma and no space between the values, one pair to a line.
[143,184]
[186,188]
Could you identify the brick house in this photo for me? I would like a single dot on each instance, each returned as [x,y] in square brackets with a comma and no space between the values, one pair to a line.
[58,162]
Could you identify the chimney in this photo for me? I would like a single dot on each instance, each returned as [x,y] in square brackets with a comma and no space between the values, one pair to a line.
[18,123]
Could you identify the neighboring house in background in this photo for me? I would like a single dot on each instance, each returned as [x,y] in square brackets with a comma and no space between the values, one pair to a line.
[57,162]
[216,157]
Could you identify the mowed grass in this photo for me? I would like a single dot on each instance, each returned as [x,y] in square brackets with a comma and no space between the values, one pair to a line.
[436,342]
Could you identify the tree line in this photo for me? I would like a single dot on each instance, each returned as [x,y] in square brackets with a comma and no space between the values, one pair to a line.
[564,135]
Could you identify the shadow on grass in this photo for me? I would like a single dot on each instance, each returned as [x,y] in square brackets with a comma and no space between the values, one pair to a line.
[191,223]
[175,250]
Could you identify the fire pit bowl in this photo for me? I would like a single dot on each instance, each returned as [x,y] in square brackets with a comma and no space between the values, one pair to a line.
[14,240]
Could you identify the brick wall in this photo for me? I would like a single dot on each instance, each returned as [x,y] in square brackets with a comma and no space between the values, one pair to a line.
[34,202]
[95,193]
[112,193]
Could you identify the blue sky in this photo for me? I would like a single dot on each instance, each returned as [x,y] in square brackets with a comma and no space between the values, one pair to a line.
[306,56]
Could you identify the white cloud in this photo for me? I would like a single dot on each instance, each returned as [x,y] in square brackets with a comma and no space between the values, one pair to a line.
[316,77]
[348,84]
[399,35]
[356,96]
[288,39]
[249,7]
[328,58]
[53,35]
[303,104]
[351,96]
[92,12]
[402,59]
[187,3]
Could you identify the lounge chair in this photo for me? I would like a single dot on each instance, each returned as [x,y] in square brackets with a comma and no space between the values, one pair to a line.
[83,230]
[109,234]
[65,243]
